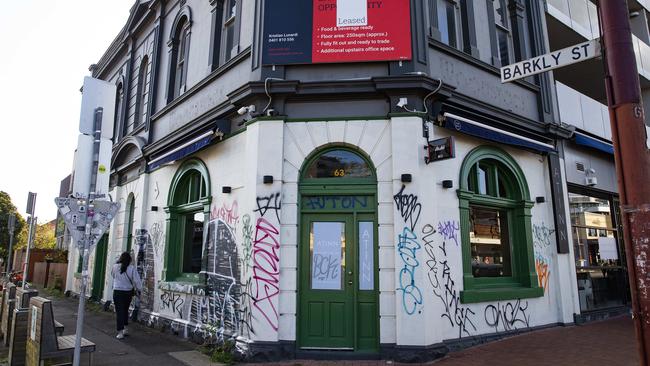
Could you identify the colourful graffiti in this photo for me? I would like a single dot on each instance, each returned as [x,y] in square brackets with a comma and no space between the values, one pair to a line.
[407,247]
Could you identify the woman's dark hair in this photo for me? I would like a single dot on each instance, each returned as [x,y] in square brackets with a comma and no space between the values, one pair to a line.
[125,260]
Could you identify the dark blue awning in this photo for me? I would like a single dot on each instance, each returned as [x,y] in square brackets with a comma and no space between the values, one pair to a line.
[182,151]
[593,143]
[473,128]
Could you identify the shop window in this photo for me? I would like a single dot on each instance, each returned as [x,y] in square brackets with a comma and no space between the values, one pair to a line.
[600,269]
[188,214]
[497,246]
[179,44]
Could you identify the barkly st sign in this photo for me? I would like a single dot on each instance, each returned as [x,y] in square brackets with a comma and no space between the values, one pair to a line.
[556,59]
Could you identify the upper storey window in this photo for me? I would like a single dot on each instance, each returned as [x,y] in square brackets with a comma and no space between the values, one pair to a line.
[141,102]
[452,23]
[179,47]
[503,35]
[119,102]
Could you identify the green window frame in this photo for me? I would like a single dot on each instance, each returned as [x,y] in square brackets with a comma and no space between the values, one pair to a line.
[189,194]
[504,189]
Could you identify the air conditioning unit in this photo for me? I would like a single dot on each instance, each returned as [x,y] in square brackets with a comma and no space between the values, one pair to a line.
[591,181]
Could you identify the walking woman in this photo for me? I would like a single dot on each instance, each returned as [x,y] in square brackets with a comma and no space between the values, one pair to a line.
[126,281]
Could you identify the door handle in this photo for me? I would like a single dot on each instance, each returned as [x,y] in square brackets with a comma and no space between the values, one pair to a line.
[350,282]
[350,273]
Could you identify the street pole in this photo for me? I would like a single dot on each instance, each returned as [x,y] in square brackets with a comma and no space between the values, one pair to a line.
[11,225]
[632,159]
[30,234]
[88,237]
[30,240]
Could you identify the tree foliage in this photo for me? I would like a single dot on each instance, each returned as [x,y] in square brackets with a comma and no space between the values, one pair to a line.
[7,208]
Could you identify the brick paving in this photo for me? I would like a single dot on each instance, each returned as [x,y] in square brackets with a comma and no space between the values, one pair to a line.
[609,342]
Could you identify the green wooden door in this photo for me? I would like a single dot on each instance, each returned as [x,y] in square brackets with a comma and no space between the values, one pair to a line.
[327,295]
[338,282]
[99,272]
[338,297]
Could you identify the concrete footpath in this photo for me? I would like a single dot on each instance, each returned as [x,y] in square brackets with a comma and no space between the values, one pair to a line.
[610,342]
[144,346]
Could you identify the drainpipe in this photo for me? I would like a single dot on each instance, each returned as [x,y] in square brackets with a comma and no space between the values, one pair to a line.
[632,159]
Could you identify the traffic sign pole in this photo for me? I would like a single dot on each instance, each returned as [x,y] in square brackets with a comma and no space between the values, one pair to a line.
[11,225]
[632,159]
[89,238]
[30,240]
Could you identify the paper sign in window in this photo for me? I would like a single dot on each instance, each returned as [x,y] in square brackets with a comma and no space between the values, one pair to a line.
[351,13]
[366,256]
[327,243]
[607,248]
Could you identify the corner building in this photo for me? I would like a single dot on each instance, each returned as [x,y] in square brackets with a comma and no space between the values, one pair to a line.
[353,201]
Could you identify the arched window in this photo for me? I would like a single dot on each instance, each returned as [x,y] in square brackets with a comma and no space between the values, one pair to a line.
[179,46]
[498,257]
[129,218]
[339,163]
[188,214]
[143,92]
[119,101]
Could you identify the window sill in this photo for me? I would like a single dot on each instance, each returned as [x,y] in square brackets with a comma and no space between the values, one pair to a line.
[500,294]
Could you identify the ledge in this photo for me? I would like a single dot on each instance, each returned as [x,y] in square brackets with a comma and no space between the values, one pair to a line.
[500,294]
[185,287]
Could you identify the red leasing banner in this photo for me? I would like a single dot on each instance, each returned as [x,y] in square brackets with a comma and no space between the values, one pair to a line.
[385,36]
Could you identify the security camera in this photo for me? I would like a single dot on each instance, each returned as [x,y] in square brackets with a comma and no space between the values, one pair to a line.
[243,110]
[402,102]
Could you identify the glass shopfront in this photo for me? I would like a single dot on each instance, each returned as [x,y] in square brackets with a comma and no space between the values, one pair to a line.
[598,249]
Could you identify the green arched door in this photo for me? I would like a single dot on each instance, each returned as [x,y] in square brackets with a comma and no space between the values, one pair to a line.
[338,290]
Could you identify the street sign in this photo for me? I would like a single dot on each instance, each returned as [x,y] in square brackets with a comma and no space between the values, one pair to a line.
[74,214]
[31,203]
[556,59]
[83,164]
[440,149]
[11,223]
[97,94]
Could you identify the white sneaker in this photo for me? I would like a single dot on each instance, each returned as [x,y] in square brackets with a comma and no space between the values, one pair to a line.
[120,335]
[125,331]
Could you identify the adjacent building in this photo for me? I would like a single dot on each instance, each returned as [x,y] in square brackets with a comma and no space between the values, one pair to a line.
[301,178]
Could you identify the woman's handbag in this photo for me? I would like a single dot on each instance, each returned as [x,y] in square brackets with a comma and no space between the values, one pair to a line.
[136,303]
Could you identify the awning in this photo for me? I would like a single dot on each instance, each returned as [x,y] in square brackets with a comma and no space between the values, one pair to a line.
[473,128]
[182,151]
[593,143]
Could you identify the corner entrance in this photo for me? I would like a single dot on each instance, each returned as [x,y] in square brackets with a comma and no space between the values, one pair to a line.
[338,289]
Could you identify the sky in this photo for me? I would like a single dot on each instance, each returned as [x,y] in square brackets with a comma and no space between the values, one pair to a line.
[46,50]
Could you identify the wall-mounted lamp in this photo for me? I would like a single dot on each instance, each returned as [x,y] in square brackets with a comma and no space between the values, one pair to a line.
[447,184]
[154,208]
[226,189]
[268,179]
[540,199]
[407,178]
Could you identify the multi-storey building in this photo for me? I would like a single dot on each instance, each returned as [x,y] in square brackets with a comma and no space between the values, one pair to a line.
[589,155]
[299,184]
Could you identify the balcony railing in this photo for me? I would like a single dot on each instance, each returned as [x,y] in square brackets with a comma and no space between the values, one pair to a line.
[583,112]
[580,15]
[642,53]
